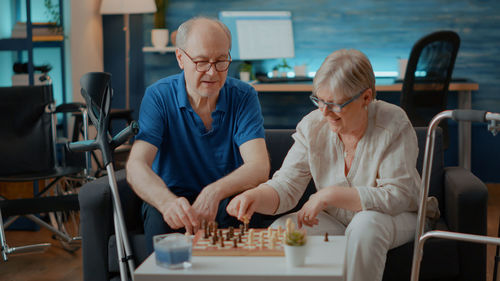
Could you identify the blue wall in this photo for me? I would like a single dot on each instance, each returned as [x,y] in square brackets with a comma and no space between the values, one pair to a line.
[384,30]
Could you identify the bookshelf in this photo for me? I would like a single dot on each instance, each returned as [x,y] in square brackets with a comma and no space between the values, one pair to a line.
[36,36]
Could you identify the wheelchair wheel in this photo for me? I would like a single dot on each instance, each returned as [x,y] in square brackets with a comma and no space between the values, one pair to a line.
[67,221]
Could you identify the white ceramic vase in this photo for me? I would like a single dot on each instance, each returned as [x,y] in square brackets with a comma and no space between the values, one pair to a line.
[245,76]
[159,37]
[295,255]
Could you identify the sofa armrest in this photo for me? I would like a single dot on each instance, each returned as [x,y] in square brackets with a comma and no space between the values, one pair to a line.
[96,213]
[466,199]
[96,219]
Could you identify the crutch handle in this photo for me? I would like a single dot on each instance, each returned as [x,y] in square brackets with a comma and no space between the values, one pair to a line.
[79,146]
[124,135]
[469,115]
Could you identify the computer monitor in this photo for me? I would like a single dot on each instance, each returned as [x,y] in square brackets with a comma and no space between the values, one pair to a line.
[260,35]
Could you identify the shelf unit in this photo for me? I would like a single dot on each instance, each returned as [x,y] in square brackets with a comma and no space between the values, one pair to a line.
[163,50]
[30,42]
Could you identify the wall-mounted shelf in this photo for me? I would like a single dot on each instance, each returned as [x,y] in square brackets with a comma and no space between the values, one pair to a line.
[30,35]
[163,50]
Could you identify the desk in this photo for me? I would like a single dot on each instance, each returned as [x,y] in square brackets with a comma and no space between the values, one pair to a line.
[324,261]
[464,91]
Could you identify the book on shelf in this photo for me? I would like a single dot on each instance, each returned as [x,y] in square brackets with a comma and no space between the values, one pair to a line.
[43,31]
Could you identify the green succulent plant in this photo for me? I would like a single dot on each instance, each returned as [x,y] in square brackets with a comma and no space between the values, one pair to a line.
[296,238]
[293,236]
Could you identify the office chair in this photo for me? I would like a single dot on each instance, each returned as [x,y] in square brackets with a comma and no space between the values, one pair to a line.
[427,77]
[28,152]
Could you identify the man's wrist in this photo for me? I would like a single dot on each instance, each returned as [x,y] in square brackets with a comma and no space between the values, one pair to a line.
[215,191]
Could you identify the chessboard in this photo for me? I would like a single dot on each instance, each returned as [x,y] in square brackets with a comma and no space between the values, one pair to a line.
[262,244]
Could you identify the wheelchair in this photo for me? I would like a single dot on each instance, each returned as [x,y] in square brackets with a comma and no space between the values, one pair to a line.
[31,151]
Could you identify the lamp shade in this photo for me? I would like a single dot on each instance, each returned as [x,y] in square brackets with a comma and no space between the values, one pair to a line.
[109,7]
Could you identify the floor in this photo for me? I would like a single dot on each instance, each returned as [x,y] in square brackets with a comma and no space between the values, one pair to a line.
[56,264]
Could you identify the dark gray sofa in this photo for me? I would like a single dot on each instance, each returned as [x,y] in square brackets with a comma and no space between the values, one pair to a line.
[462,198]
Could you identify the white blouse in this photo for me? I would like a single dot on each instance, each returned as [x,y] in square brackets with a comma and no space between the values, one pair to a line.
[383,170]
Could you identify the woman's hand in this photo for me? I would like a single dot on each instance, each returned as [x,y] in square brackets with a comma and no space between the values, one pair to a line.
[307,215]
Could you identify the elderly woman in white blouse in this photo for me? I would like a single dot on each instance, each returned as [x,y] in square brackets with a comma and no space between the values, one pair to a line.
[361,154]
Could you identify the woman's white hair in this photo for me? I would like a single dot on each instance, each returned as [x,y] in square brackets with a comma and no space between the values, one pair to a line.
[345,73]
[185,28]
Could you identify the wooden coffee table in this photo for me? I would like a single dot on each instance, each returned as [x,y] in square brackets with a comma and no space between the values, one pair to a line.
[324,261]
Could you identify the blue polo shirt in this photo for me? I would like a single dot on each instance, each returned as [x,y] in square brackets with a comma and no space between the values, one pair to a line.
[189,157]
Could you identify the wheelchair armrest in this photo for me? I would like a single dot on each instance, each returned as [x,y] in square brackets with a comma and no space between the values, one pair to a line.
[466,199]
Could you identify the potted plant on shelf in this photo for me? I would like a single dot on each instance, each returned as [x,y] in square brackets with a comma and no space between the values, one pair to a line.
[295,241]
[284,68]
[159,34]
[276,71]
[245,71]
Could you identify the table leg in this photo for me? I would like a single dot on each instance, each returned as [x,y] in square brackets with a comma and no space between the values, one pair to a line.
[464,131]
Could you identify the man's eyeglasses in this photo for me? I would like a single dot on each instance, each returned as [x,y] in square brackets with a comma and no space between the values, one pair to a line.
[331,105]
[204,66]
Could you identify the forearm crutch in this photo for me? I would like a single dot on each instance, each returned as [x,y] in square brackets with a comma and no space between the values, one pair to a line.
[421,237]
[97,91]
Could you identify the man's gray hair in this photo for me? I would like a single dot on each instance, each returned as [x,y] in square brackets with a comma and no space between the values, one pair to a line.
[345,73]
[185,28]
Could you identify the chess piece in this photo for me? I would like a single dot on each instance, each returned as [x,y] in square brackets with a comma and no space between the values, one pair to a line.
[242,229]
[210,228]
[205,232]
[239,238]
[326,236]
[235,243]
[289,226]
[222,241]
[250,235]
[213,240]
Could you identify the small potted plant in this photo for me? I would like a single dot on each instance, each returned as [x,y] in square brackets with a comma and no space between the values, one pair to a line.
[295,241]
[159,34]
[284,68]
[245,71]
[276,71]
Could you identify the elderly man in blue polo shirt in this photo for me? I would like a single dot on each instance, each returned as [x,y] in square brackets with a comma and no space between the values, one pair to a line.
[201,137]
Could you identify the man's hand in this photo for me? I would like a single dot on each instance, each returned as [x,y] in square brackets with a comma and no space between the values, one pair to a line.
[243,206]
[207,204]
[179,213]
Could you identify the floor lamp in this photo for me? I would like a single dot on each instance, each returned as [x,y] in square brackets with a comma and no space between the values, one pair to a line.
[125,8]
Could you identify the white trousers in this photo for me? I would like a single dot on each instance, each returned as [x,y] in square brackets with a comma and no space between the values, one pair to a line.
[370,235]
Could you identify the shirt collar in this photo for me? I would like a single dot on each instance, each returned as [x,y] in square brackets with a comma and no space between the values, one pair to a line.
[183,100]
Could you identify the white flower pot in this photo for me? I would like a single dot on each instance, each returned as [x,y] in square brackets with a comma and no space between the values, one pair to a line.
[245,76]
[159,37]
[295,255]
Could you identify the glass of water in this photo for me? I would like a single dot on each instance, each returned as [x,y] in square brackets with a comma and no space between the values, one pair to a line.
[173,250]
